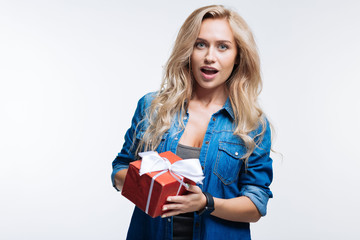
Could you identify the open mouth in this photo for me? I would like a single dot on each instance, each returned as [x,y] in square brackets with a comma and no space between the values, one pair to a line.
[209,70]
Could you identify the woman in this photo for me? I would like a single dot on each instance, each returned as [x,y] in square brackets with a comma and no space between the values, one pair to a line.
[206,108]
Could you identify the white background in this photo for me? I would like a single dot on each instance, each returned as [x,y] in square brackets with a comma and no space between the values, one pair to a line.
[71,73]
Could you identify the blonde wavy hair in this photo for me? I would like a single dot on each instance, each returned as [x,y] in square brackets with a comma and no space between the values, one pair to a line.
[244,84]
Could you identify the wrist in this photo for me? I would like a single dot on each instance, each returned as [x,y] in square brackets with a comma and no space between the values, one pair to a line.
[203,202]
[209,205]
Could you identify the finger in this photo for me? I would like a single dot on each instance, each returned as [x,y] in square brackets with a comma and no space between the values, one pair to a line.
[175,199]
[194,189]
[172,207]
[172,210]
[170,214]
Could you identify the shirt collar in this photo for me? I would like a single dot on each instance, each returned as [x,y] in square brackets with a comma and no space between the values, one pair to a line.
[227,107]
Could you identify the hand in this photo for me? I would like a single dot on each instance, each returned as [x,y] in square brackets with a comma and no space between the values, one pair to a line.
[193,201]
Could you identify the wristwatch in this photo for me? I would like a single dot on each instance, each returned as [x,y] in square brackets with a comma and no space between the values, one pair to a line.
[209,207]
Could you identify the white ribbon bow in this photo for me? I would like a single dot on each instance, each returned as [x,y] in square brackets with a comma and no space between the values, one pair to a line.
[152,162]
[189,168]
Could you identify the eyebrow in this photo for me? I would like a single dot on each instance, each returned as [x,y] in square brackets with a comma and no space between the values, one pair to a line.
[218,41]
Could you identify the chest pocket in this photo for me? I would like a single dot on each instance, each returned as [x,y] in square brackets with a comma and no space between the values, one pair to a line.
[229,161]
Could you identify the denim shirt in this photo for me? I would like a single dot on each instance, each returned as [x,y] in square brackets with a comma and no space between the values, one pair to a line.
[226,175]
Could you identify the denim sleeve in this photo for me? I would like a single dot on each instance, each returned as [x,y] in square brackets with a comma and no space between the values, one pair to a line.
[256,179]
[127,153]
[258,196]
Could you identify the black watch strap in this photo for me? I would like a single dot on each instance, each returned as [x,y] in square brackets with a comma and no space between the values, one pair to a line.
[209,207]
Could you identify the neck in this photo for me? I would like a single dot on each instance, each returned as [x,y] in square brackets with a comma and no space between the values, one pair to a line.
[208,97]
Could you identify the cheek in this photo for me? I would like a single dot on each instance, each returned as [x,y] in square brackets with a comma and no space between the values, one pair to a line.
[231,61]
[194,60]
[230,65]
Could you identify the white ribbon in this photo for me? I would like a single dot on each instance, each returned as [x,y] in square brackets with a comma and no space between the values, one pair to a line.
[189,168]
[152,162]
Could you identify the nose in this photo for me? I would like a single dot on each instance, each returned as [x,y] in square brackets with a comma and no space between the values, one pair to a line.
[210,56]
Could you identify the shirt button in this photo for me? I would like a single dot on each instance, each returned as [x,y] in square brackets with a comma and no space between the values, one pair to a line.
[236,153]
[213,119]
[185,118]
[169,219]
[207,142]
[202,167]
[176,138]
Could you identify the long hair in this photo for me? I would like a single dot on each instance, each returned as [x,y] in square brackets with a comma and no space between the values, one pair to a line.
[244,83]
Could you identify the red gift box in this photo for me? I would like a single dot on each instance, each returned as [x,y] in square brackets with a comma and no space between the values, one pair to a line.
[136,188]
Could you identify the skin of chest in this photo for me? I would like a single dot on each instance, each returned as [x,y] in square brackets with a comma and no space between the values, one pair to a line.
[199,117]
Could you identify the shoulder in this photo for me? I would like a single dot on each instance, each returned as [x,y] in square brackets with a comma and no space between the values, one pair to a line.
[263,127]
[145,101]
[262,135]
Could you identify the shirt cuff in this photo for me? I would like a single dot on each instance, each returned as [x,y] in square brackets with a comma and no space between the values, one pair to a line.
[258,196]
[115,170]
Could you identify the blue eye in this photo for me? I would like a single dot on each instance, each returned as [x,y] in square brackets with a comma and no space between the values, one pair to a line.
[200,45]
[223,47]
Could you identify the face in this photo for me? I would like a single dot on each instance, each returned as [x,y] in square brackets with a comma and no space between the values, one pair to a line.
[214,54]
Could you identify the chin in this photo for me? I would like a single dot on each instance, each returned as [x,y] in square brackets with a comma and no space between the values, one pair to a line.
[210,85]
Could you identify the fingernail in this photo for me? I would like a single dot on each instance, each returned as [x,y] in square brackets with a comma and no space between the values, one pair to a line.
[163,216]
[164,208]
[169,199]
[187,186]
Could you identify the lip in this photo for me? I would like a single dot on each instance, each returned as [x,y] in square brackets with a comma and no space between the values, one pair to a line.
[204,70]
